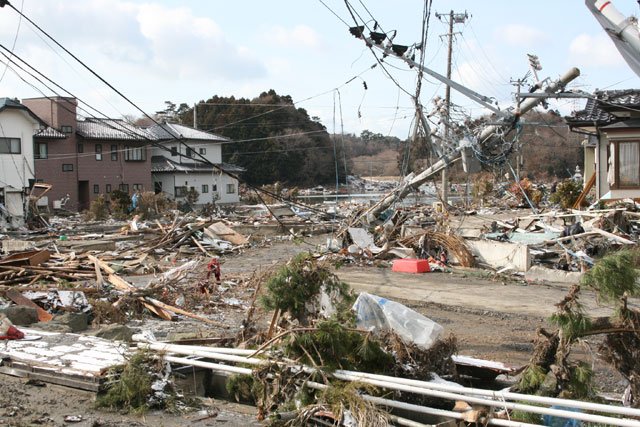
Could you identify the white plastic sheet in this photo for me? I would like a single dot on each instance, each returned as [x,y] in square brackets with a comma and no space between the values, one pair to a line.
[375,312]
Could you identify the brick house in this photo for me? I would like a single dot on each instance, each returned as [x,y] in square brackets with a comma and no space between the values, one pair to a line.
[83,159]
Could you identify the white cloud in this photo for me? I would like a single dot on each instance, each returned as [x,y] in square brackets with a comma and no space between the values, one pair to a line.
[595,51]
[520,35]
[298,36]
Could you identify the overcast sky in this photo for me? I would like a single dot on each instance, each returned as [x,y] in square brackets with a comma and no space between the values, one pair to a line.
[187,51]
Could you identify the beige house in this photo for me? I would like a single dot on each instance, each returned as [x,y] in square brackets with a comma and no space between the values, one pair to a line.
[610,122]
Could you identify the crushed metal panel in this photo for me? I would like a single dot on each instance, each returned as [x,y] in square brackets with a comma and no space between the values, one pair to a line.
[63,354]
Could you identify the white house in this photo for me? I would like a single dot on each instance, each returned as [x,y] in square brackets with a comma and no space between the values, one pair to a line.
[17,171]
[177,169]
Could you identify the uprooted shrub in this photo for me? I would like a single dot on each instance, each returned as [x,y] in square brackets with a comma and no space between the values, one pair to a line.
[297,289]
[151,205]
[141,384]
[550,371]
[567,194]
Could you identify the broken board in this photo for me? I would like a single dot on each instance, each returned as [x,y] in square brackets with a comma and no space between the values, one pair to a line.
[20,299]
[220,231]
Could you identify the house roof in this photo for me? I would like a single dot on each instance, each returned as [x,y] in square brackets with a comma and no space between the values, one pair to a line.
[598,110]
[8,103]
[161,164]
[49,132]
[625,124]
[167,130]
[114,129]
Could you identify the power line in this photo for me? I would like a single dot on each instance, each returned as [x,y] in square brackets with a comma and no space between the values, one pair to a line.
[15,40]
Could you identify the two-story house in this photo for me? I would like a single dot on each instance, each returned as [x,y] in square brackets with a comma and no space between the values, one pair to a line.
[18,124]
[83,159]
[178,167]
[611,123]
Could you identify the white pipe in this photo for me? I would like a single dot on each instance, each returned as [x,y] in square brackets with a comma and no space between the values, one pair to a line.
[508,405]
[502,395]
[208,365]
[424,409]
[439,390]
[173,348]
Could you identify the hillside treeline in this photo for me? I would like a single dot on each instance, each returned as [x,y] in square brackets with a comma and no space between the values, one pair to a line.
[277,142]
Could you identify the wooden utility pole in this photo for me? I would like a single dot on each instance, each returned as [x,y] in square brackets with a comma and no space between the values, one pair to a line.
[458,18]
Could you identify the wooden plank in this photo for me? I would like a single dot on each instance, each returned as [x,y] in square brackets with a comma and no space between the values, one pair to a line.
[584,193]
[103,265]
[120,283]
[20,299]
[183,312]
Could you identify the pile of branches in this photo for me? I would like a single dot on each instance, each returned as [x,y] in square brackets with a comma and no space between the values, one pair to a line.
[328,342]
[613,279]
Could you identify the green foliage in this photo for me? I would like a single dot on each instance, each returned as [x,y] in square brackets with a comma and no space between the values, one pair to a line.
[99,208]
[332,346]
[300,281]
[580,381]
[566,193]
[614,275]
[132,389]
[120,203]
[240,386]
[532,379]
[573,324]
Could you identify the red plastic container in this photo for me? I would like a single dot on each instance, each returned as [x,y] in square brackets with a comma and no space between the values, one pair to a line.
[407,265]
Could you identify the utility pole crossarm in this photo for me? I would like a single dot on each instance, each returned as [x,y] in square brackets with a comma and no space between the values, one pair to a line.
[469,93]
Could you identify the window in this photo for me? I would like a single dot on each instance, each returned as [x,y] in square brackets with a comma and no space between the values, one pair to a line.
[180,191]
[137,187]
[174,151]
[205,188]
[10,146]
[114,153]
[96,188]
[66,129]
[231,188]
[189,152]
[214,187]
[98,152]
[108,188]
[203,151]
[135,154]
[67,167]
[40,150]
[628,171]
[124,187]
[80,148]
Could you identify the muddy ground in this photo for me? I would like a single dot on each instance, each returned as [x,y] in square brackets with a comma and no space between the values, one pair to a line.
[492,319]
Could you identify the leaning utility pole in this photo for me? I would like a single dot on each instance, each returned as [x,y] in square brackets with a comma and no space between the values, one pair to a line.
[458,18]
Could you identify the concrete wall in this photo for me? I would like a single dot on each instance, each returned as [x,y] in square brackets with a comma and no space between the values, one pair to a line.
[17,169]
[213,151]
[501,254]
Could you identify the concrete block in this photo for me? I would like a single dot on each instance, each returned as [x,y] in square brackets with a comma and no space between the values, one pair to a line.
[501,254]
[21,315]
[543,274]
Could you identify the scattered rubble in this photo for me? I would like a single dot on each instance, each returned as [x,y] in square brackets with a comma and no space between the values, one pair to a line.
[74,288]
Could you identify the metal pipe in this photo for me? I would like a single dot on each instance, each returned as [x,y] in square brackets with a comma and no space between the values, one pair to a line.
[430,388]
